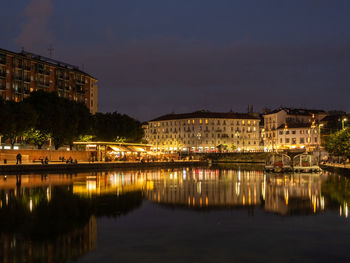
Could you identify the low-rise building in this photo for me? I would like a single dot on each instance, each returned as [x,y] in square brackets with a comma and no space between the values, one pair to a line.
[204,131]
[292,128]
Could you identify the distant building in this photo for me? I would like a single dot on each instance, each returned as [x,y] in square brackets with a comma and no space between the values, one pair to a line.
[287,128]
[204,131]
[22,73]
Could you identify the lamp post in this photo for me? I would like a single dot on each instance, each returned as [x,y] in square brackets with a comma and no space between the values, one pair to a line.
[343,123]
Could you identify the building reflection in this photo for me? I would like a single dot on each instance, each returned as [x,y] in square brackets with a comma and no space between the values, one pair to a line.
[201,188]
[64,248]
[205,188]
[294,194]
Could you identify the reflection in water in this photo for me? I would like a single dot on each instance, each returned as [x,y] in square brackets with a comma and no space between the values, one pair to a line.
[282,194]
[52,218]
[204,188]
[15,247]
[42,220]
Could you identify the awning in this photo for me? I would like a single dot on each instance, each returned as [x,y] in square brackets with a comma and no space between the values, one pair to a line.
[136,149]
[118,148]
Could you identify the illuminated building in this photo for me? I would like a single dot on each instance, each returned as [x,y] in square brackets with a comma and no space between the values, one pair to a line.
[292,128]
[22,73]
[204,131]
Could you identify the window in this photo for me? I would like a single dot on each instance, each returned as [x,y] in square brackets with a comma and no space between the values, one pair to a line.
[294,140]
[293,132]
[287,140]
[287,132]
[281,132]
[302,140]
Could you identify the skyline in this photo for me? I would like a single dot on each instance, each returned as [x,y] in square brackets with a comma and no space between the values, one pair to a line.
[166,56]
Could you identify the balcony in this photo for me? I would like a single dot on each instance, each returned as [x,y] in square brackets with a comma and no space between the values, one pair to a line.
[2,74]
[2,87]
[26,79]
[43,84]
[27,67]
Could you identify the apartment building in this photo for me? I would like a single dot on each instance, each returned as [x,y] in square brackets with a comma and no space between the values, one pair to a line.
[287,128]
[24,72]
[204,131]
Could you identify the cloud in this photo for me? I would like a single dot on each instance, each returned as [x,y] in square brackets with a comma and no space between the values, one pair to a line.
[35,32]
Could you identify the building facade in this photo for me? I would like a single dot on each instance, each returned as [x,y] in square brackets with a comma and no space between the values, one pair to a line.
[287,128]
[22,73]
[204,131]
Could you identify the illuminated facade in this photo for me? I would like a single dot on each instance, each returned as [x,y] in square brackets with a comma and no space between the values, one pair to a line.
[204,131]
[292,128]
[22,73]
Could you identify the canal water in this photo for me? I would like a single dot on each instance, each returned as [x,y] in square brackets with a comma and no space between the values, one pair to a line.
[217,214]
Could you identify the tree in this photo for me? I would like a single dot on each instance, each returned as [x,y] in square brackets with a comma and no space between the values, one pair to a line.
[338,143]
[36,137]
[114,126]
[16,119]
[63,119]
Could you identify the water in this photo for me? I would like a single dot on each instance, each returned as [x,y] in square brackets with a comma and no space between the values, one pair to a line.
[178,215]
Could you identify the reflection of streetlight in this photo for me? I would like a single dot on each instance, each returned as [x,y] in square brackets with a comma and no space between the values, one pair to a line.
[343,122]
[319,141]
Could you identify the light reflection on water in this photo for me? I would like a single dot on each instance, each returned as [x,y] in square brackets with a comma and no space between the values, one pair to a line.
[53,218]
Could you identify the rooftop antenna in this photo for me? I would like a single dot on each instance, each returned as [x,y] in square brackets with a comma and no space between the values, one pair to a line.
[50,50]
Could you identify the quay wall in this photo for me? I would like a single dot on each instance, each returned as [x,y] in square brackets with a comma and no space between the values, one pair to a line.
[240,157]
[340,169]
[63,167]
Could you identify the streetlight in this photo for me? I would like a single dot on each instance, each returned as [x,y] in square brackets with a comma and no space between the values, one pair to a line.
[343,122]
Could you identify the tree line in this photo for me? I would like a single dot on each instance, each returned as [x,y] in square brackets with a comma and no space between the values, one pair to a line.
[338,143]
[45,116]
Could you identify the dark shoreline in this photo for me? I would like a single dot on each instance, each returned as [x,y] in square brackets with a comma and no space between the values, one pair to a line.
[336,169]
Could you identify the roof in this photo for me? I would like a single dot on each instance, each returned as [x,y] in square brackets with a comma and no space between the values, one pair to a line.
[46,60]
[206,114]
[295,111]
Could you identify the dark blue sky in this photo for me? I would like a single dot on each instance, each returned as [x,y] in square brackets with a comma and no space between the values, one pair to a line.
[159,56]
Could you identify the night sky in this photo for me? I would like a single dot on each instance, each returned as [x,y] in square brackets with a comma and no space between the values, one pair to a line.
[154,57]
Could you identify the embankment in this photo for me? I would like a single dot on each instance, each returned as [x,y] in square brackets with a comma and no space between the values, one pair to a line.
[63,167]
